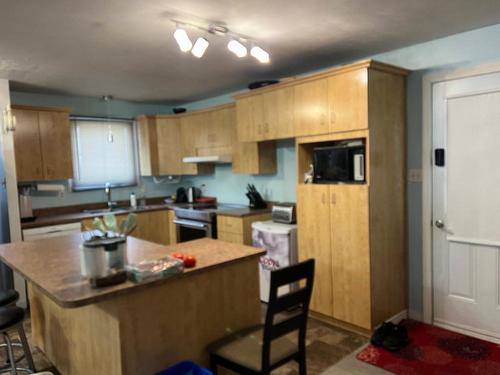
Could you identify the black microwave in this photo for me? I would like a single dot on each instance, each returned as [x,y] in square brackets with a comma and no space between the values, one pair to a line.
[341,162]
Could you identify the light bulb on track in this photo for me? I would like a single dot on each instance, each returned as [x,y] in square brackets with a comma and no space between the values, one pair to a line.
[183,40]
[261,55]
[199,48]
[237,48]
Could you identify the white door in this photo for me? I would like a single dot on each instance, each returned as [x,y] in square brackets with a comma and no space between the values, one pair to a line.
[466,205]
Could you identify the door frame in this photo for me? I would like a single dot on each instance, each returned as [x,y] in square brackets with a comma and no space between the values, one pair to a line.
[428,81]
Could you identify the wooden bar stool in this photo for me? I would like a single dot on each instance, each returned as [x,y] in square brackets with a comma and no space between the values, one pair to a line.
[11,318]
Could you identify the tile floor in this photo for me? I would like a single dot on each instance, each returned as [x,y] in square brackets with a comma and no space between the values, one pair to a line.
[330,351]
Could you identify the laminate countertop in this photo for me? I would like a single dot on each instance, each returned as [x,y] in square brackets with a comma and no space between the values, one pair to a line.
[53,265]
[74,217]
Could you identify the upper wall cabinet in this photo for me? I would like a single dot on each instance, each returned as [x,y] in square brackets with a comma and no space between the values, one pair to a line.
[164,140]
[266,116]
[160,151]
[311,108]
[348,100]
[42,144]
[328,102]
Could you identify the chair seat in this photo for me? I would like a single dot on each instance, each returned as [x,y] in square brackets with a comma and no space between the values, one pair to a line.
[245,348]
[9,316]
[8,296]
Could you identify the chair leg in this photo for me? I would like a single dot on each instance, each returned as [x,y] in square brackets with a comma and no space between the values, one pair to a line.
[213,364]
[12,361]
[302,363]
[26,348]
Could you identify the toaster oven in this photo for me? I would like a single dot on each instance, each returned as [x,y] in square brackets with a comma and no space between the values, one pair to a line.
[284,213]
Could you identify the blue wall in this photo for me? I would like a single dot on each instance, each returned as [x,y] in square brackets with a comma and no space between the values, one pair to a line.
[473,47]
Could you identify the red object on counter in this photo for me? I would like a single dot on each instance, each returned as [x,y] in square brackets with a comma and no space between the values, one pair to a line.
[189,261]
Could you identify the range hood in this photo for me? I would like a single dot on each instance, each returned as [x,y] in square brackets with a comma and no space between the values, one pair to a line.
[217,159]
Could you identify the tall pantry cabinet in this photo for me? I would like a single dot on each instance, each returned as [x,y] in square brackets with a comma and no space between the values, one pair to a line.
[357,232]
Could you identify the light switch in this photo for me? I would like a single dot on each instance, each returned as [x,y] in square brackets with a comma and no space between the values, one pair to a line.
[415,175]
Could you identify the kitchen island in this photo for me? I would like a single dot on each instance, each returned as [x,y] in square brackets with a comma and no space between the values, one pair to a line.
[135,328]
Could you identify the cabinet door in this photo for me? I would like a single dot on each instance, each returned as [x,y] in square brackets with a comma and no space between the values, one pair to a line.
[350,254]
[55,140]
[313,219]
[348,99]
[169,146]
[27,149]
[172,229]
[250,118]
[278,114]
[189,138]
[311,108]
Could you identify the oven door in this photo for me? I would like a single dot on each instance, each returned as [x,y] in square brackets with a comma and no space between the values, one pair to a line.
[188,230]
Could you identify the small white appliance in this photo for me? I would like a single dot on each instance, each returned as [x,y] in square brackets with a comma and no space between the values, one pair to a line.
[284,213]
[280,242]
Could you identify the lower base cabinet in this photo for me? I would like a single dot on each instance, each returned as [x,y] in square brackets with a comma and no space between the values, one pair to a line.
[238,229]
[354,260]
[150,226]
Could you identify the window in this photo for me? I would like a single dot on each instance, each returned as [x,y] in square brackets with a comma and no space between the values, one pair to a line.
[104,151]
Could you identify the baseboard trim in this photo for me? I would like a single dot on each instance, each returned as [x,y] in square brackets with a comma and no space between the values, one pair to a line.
[398,317]
[339,324]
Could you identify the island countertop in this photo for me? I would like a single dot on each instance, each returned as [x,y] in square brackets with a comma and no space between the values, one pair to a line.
[53,265]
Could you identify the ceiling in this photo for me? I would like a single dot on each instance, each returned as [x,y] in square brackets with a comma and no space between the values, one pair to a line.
[125,48]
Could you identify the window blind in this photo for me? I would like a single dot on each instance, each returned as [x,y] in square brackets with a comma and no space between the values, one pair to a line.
[103,152]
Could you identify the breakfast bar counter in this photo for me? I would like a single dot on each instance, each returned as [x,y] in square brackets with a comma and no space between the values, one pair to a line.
[135,328]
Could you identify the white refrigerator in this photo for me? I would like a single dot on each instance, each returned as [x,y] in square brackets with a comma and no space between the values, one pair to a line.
[280,242]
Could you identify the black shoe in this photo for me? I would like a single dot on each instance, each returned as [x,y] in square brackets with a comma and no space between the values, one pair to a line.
[397,339]
[381,333]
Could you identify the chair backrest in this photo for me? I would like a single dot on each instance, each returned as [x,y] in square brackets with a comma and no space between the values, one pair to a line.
[288,313]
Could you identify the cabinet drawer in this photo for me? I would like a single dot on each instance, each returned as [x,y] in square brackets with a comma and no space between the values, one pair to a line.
[230,224]
[230,237]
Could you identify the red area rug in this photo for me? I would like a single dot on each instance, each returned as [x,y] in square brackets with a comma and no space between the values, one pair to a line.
[436,351]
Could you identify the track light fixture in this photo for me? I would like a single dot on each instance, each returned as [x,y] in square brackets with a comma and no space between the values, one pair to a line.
[236,43]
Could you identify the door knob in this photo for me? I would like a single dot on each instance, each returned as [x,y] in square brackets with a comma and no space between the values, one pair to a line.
[439,224]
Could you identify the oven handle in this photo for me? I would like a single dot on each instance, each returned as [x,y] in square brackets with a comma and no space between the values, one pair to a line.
[192,224]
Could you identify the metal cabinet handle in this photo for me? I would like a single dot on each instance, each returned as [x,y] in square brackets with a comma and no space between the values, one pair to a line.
[439,224]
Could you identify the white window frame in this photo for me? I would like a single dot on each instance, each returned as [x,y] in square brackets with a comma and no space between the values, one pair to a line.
[74,146]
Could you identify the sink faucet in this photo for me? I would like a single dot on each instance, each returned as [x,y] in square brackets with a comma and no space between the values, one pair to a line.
[107,191]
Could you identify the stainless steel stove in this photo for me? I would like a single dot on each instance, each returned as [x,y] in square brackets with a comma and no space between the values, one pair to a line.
[198,220]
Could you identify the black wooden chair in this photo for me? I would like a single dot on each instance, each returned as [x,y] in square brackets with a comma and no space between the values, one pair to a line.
[259,350]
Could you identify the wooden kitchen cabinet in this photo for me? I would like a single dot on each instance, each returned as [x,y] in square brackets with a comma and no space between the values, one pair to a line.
[152,226]
[172,229]
[255,158]
[160,150]
[314,241]
[311,108]
[266,116]
[348,100]
[238,229]
[42,144]
[349,223]
[357,232]
[250,118]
